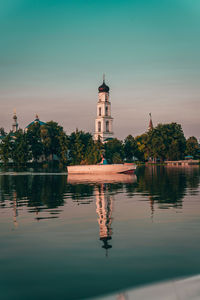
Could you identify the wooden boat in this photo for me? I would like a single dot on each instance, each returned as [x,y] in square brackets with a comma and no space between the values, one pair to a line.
[102,169]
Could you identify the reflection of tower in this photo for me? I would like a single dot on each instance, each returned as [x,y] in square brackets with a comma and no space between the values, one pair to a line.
[104,210]
[151,206]
[104,121]
[15,124]
[15,212]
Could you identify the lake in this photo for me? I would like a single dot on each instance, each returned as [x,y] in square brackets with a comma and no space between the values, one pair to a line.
[78,237]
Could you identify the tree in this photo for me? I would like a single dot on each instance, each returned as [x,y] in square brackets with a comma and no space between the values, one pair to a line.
[35,141]
[142,146]
[114,151]
[55,141]
[20,153]
[2,132]
[166,142]
[6,148]
[130,148]
[79,142]
[63,150]
[192,147]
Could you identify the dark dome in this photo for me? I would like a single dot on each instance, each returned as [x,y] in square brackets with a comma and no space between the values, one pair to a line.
[103,88]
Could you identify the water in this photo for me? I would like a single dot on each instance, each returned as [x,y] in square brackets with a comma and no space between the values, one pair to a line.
[79,237]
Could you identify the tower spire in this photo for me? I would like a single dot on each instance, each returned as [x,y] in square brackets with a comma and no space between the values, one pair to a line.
[104,77]
[150,122]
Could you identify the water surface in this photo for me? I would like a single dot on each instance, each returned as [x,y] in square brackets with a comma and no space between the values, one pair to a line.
[79,237]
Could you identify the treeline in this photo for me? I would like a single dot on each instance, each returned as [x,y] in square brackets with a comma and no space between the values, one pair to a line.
[49,142]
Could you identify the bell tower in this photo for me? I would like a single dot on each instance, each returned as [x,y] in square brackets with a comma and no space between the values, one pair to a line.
[104,121]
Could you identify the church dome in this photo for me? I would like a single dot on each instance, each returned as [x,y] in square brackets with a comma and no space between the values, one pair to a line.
[104,88]
[37,120]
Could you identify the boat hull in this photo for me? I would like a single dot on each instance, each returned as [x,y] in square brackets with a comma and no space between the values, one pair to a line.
[102,169]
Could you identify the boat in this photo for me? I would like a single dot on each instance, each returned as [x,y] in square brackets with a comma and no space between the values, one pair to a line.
[126,168]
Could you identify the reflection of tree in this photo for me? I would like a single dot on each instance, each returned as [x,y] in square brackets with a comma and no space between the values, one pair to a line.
[163,185]
[47,190]
[167,185]
[36,192]
[193,179]
[104,207]
[6,192]
[81,193]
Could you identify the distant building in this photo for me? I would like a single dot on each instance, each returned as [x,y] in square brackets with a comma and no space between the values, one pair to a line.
[37,120]
[104,121]
[15,124]
[150,123]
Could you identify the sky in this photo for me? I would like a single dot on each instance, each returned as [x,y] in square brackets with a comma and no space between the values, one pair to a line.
[53,54]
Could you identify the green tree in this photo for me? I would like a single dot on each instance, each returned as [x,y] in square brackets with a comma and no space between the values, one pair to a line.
[79,142]
[2,132]
[55,141]
[142,146]
[192,147]
[114,151]
[35,141]
[63,150]
[130,148]
[166,141]
[6,148]
[20,153]
[93,153]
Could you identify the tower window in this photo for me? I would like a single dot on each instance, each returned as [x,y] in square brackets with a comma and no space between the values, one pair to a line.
[106,110]
[99,111]
[107,126]
[99,126]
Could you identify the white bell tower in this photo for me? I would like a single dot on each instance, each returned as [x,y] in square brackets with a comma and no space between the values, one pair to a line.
[104,121]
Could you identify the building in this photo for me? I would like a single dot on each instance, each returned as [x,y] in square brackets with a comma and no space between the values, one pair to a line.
[150,123]
[104,121]
[15,124]
[37,120]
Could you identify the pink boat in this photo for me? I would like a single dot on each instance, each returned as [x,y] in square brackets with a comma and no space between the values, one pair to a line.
[126,168]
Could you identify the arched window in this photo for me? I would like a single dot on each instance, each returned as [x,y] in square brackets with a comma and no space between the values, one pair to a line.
[99,126]
[107,126]
[99,111]
[106,111]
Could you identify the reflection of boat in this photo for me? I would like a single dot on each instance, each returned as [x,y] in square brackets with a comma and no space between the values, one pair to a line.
[101,178]
[102,169]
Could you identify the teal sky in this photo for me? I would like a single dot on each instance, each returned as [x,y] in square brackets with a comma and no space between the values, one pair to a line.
[53,55]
